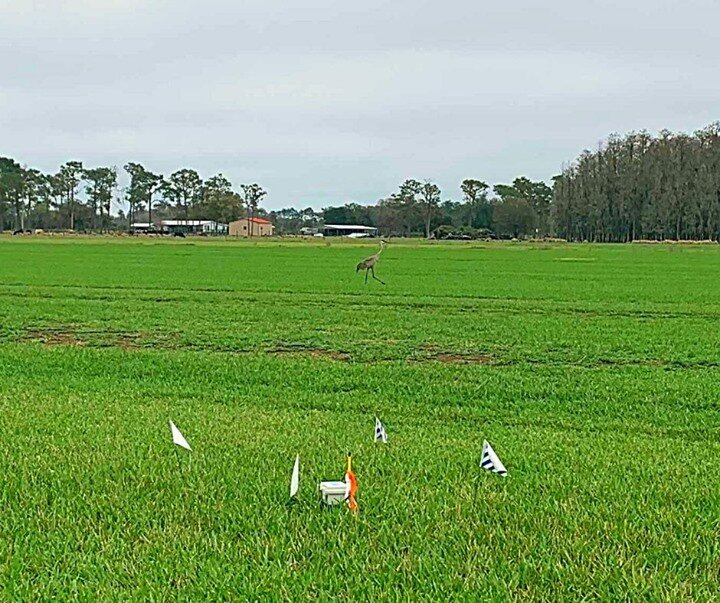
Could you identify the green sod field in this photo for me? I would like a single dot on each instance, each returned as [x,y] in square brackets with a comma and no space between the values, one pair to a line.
[594,371]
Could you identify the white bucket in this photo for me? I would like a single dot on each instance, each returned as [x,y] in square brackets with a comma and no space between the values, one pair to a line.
[333,492]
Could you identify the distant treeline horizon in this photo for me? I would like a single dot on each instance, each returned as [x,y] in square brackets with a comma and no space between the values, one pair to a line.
[80,198]
[637,186]
[640,186]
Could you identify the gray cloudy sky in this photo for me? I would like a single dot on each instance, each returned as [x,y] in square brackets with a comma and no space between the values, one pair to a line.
[325,102]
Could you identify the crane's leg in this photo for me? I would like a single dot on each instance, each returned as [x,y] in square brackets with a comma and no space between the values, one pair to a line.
[375,277]
[367,270]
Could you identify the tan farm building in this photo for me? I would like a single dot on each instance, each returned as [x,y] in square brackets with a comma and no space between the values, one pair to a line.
[251,227]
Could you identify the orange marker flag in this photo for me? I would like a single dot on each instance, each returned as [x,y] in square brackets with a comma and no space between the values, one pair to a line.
[351,482]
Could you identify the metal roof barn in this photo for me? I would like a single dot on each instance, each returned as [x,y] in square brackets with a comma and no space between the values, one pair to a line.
[344,230]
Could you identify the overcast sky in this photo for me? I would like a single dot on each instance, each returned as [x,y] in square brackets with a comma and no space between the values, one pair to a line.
[325,102]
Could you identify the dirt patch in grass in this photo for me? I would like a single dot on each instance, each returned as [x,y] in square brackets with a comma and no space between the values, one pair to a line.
[78,336]
[450,358]
[128,341]
[431,354]
[71,335]
[434,353]
[310,351]
[53,337]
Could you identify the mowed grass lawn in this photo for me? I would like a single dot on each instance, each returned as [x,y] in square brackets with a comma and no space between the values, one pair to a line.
[593,371]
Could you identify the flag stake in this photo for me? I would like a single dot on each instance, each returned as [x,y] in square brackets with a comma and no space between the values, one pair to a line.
[177,458]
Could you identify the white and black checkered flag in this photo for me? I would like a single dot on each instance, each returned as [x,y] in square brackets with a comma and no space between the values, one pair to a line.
[490,460]
[380,431]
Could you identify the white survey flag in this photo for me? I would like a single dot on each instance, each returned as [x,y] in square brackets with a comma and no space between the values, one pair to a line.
[490,460]
[380,431]
[178,438]
[295,479]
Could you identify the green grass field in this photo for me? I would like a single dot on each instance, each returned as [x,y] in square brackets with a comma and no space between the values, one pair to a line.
[593,371]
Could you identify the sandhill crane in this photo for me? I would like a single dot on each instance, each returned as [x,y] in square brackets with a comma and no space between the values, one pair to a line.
[368,264]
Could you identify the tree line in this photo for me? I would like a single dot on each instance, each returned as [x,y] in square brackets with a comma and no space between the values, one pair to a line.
[640,186]
[633,187]
[637,186]
[417,208]
[80,198]
[30,199]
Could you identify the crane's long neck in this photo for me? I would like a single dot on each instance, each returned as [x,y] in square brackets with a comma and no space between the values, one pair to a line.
[381,250]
